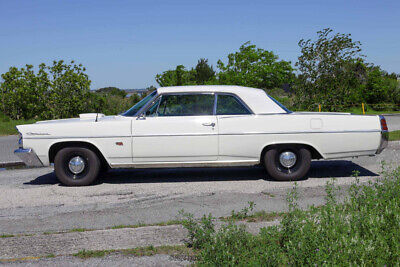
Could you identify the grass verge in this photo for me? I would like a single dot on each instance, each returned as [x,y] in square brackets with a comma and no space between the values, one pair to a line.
[182,251]
[362,230]
[369,111]
[394,136]
[5,236]
[246,214]
[7,125]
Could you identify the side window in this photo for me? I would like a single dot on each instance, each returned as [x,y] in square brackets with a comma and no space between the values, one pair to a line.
[186,105]
[230,105]
[152,111]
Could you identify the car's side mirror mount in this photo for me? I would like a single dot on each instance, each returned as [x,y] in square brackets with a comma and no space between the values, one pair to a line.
[141,116]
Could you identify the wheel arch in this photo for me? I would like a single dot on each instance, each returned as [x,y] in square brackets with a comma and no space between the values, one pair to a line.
[315,154]
[54,148]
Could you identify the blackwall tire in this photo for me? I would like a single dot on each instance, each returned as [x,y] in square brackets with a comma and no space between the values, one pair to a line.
[278,171]
[71,175]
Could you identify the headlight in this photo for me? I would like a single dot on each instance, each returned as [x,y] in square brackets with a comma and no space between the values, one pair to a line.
[20,141]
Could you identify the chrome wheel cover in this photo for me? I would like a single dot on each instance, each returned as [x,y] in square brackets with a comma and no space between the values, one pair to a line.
[287,159]
[76,165]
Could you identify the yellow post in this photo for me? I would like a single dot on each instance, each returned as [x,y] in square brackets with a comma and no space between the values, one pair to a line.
[319,107]
[363,108]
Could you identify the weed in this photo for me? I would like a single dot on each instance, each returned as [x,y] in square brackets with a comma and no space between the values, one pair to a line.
[79,230]
[243,213]
[199,232]
[5,236]
[362,230]
[85,254]
[139,252]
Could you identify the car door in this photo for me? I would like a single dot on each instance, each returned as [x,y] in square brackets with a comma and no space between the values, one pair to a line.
[177,128]
[235,124]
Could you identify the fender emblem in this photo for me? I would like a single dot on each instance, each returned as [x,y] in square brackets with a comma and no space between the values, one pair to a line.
[119,143]
[30,133]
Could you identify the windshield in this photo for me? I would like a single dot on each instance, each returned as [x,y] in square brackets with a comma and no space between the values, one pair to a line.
[133,110]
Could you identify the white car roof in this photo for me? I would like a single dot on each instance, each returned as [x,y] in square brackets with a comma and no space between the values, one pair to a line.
[257,100]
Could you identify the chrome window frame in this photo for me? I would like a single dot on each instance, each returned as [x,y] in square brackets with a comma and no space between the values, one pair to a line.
[238,99]
[142,112]
[137,114]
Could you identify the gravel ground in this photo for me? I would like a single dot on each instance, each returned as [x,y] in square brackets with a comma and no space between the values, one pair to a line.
[7,146]
[72,242]
[32,200]
[109,260]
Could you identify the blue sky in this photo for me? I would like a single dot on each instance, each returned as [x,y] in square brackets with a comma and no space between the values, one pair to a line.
[126,43]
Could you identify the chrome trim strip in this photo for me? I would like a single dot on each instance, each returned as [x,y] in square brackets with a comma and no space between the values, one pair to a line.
[74,137]
[186,164]
[348,152]
[303,132]
[215,104]
[206,134]
[29,157]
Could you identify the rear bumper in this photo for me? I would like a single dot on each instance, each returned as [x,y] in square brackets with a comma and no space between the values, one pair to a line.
[384,141]
[29,157]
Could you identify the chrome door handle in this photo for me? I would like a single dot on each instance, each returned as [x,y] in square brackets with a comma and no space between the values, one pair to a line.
[209,124]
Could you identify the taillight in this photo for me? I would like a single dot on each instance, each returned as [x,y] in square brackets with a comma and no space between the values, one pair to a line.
[383,123]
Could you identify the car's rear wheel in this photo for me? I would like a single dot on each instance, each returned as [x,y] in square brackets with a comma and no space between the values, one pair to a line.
[287,163]
[76,166]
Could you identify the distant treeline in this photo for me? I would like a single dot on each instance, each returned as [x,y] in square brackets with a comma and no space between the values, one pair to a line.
[58,91]
[330,71]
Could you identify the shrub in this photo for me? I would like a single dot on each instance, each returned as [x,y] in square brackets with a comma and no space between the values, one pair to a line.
[57,91]
[364,230]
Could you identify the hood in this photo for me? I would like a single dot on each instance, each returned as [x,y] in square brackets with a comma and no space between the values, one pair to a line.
[84,117]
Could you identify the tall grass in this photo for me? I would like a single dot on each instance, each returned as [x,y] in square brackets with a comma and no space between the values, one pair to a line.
[364,230]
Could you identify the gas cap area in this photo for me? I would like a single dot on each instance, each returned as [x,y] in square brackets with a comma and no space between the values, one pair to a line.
[316,124]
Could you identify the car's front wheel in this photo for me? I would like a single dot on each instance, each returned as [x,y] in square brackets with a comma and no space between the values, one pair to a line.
[76,166]
[287,163]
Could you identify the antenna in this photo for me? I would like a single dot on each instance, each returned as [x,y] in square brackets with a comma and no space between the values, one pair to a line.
[97,115]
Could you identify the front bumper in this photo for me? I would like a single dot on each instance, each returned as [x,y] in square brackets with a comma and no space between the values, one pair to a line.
[29,157]
[384,141]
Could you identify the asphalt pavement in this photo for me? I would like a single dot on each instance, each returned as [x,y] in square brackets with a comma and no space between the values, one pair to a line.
[393,121]
[7,146]
[33,201]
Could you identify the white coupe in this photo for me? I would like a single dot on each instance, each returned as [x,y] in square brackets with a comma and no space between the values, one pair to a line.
[199,126]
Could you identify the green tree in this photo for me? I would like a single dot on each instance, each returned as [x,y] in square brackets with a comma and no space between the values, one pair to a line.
[331,71]
[57,91]
[23,92]
[177,77]
[380,87]
[204,72]
[69,89]
[112,91]
[254,67]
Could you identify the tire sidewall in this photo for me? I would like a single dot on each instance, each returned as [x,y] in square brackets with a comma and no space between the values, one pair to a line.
[280,173]
[90,173]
